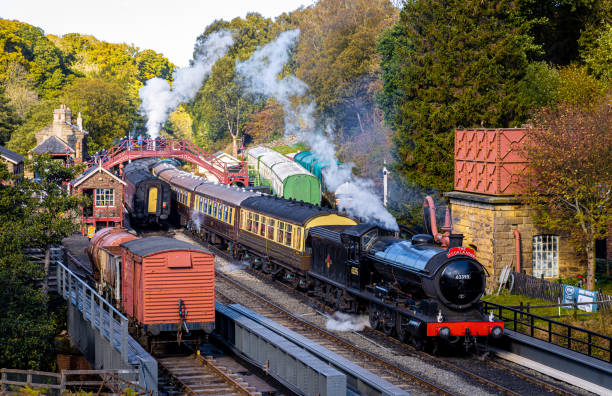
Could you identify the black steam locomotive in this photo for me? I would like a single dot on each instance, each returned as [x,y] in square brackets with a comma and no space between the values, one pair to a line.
[146,198]
[413,289]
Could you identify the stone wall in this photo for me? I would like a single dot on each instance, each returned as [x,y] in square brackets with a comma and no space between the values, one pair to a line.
[488,222]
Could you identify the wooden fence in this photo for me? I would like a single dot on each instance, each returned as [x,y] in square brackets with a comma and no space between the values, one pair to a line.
[115,381]
[533,287]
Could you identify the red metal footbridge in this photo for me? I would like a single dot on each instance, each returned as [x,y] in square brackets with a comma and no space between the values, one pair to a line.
[131,149]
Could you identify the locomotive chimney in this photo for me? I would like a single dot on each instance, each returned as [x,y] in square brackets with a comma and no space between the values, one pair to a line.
[455,240]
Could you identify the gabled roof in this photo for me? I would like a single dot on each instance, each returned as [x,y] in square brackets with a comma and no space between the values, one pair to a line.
[10,156]
[92,171]
[53,145]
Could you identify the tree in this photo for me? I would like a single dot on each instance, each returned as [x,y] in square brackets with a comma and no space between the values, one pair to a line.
[222,106]
[179,125]
[570,173]
[38,116]
[336,56]
[447,65]
[266,124]
[108,114]
[599,57]
[563,27]
[19,89]
[32,215]
[8,119]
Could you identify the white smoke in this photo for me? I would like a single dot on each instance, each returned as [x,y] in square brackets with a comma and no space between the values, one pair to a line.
[159,99]
[341,321]
[260,75]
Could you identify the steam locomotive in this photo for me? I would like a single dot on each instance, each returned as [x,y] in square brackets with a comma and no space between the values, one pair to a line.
[413,289]
[421,292]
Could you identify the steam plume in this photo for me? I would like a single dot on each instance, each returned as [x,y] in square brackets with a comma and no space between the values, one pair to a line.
[159,99]
[260,75]
[341,321]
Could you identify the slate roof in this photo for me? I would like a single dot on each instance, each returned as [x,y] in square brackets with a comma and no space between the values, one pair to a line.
[146,246]
[10,155]
[85,175]
[53,145]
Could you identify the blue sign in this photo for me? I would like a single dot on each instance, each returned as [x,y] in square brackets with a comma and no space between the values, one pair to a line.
[573,293]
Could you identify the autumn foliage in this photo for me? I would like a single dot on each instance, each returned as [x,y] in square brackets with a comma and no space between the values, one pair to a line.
[570,155]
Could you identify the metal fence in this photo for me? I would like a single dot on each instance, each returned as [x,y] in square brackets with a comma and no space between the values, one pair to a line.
[541,288]
[571,337]
[102,316]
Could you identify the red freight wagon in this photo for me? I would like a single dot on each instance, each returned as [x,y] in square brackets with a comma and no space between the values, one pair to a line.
[104,243]
[168,283]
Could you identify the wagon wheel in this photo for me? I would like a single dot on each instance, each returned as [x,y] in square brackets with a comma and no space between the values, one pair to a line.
[340,303]
[402,332]
[417,343]
[388,322]
[375,316]
[330,296]
[294,281]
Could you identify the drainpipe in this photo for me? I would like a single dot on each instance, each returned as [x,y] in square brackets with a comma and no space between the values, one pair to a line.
[441,238]
[517,248]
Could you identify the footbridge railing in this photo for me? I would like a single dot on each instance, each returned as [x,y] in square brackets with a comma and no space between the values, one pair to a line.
[130,149]
[102,316]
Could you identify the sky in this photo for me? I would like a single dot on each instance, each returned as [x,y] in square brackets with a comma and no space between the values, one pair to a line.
[168,27]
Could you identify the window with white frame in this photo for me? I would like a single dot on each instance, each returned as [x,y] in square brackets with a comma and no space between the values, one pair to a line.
[105,197]
[545,256]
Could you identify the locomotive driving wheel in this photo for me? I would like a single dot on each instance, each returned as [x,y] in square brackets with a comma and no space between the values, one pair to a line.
[375,316]
[388,321]
[402,332]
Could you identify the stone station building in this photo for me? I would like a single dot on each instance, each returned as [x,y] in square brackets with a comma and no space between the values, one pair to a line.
[486,210]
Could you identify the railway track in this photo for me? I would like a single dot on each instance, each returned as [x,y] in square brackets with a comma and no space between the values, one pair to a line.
[196,375]
[384,369]
[496,377]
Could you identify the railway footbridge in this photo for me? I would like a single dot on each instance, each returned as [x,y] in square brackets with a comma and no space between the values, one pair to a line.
[131,149]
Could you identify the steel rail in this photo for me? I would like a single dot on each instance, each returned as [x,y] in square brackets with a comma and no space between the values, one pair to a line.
[387,338]
[335,340]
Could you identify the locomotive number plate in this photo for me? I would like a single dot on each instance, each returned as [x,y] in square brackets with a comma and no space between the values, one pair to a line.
[354,270]
[464,251]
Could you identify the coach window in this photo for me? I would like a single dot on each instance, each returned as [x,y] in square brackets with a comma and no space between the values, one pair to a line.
[225,213]
[288,234]
[270,229]
[281,232]
[220,211]
[262,226]
[209,207]
[255,223]
[249,221]
[298,236]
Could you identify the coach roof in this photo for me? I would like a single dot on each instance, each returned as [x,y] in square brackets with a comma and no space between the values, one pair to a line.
[293,211]
[147,246]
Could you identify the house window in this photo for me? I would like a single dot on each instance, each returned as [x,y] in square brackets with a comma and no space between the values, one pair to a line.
[105,197]
[545,257]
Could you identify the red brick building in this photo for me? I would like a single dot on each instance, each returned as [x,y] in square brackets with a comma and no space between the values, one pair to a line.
[106,193]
